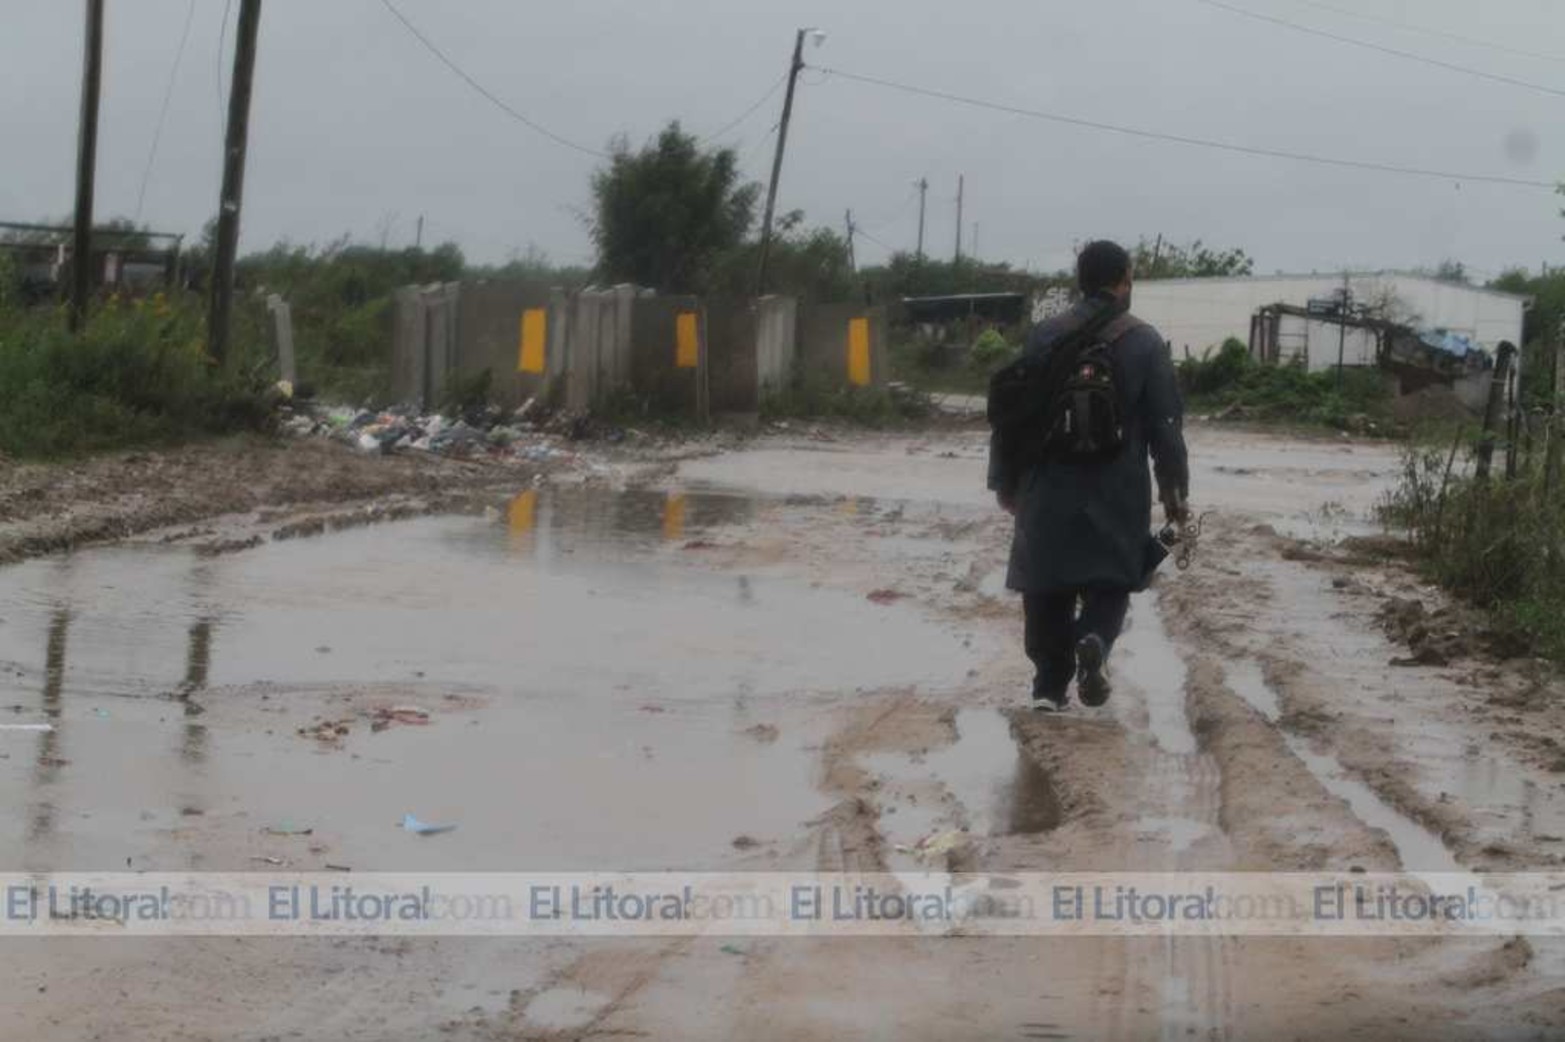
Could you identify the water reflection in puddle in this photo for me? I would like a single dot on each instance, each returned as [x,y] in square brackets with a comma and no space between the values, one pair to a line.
[619,684]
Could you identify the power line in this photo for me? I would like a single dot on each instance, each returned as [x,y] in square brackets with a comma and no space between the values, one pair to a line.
[1379,49]
[1437,33]
[485,92]
[747,113]
[168,95]
[874,240]
[1225,146]
[757,145]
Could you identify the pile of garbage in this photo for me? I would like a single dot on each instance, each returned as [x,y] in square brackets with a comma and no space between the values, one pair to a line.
[527,434]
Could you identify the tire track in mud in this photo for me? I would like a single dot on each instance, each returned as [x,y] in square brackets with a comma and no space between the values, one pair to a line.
[1268,697]
[1182,802]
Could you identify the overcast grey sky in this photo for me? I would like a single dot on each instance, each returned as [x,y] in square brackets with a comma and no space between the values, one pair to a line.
[357,129]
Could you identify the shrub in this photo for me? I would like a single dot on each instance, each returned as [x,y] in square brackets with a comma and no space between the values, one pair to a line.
[138,373]
[1281,392]
[991,352]
[1497,544]
[1200,376]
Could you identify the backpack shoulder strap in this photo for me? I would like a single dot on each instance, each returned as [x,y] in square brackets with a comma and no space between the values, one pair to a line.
[1120,328]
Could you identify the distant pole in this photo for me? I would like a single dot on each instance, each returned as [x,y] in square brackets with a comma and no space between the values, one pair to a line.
[923,200]
[418,241]
[852,263]
[976,227]
[961,191]
[86,164]
[794,68]
[232,198]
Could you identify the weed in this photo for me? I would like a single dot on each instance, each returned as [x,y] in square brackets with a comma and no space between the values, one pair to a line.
[138,373]
[1496,544]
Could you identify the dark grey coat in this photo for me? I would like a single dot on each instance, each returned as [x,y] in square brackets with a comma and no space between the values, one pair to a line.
[1081,524]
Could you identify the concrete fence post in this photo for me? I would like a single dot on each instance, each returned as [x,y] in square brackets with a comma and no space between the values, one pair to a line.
[282,338]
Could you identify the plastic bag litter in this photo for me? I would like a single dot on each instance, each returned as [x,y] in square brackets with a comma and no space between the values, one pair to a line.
[384,718]
[286,829]
[942,846]
[412,824]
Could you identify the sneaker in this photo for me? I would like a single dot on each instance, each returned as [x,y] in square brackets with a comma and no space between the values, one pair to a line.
[1049,704]
[1091,684]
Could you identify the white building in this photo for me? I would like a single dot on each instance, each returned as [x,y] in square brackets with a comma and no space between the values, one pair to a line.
[1196,315]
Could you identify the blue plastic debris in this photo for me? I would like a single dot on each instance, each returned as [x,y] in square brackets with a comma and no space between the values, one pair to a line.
[412,824]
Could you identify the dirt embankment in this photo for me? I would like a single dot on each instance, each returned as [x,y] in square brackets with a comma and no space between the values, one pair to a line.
[48,507]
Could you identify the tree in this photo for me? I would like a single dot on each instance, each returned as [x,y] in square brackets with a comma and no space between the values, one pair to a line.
[664,216]
[1168,260]
[1542,326]
[811,264]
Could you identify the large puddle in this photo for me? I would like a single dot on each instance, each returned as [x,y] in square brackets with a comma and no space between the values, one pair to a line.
[594,701]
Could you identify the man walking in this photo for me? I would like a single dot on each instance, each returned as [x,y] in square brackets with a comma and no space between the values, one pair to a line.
[1080,488]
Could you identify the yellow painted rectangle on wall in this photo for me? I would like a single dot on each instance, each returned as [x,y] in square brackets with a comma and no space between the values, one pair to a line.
[687,341]
[858,352]
[535,339]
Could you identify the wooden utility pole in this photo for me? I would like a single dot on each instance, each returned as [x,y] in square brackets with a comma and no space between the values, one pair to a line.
[218,324]
[418,240]
[795,66]
[86,165]
[923,199]
[961,191]
[852,263]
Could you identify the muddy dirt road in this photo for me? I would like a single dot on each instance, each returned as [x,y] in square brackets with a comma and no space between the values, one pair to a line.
[796,657]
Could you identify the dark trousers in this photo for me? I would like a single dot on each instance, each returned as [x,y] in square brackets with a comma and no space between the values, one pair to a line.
[1054,627]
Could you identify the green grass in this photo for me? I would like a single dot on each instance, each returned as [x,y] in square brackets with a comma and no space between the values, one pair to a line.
[869,406]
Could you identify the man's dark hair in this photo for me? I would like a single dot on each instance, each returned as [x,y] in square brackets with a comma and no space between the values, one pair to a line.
[1102,265]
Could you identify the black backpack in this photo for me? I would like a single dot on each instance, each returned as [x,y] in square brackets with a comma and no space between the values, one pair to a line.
[1084,421]
[1065,406]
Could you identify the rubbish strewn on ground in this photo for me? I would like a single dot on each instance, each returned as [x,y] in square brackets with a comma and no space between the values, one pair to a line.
[331,732]
[942,848]
[286,829]
[763,733]
[383,718]
[26,727]
[526,434]
[886,596]
[412,824]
